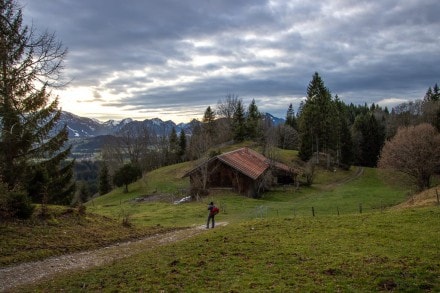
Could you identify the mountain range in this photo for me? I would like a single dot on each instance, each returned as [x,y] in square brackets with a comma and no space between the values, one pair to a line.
[83,127]
[87,136]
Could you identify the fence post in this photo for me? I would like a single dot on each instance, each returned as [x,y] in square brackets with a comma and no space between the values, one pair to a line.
[438,199]
[360,208]
[337,208]
[313,211]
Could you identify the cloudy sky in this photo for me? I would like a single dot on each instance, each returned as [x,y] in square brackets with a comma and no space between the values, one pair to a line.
[173,59]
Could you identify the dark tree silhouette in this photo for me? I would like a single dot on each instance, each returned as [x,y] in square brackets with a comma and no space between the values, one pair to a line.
[104,180]
[127,174]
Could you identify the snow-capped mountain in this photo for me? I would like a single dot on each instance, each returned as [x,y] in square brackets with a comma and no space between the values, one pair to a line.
[80,126]
[83,127]
[273,120]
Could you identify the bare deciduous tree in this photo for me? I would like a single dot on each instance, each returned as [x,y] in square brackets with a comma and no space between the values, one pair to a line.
[415,151]
[288,137]
[227,107]
[131,145]
[199,143]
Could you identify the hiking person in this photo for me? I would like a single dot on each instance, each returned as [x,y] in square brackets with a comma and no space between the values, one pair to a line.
[213,210]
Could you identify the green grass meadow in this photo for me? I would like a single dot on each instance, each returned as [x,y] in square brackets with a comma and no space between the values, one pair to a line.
[354,242]
[364,194]
[390,251]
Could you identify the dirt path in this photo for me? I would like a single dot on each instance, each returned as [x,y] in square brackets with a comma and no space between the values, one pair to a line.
[357,174]
[27,273]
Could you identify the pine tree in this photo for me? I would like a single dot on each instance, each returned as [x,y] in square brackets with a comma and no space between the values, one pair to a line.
[344,142]
[239,123]
[428,95]
[182,144]
[318,121]
[436,93]
[208,121]
[431,106]
[29,65]
[371,137]
[300,109]
[104,180]
[253,119]
[173,142]
[290,118]
[432,94]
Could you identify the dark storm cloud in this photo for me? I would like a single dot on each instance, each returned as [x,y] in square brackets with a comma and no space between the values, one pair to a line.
[164,54]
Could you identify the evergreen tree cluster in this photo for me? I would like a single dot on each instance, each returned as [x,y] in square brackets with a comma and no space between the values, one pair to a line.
[338,134]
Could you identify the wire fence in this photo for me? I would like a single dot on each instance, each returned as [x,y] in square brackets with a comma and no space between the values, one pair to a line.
[262,212]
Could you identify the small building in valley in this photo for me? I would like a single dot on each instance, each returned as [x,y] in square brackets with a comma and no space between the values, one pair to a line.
[244,171]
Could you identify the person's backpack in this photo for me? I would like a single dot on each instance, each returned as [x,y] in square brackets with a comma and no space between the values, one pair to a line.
[215,211]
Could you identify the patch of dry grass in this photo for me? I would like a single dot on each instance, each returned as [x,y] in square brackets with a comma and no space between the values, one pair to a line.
[425,198]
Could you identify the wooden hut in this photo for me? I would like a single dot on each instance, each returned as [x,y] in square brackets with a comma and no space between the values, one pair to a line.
[244,170]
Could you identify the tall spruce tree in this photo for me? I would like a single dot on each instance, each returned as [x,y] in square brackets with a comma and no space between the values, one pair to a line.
[182,144]
[239,123]
[318,121]
[173,150]
[344,147]
[30,64]
[432,94]
[370,139]
[208,121]
[104,180]
[431,106]
[253,119]
[290,118]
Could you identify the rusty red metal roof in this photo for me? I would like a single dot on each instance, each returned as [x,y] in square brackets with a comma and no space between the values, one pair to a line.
[246,161]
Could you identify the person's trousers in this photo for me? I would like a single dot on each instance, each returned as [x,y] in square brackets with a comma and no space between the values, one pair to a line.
[210,218]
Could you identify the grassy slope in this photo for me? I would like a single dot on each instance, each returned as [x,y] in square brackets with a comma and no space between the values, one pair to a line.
[64,232]
[273,243]
[368,190]
[350,253]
